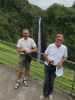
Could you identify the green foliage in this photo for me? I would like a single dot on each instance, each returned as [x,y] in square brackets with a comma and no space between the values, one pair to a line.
[8,55]
[62,20]
[18,14]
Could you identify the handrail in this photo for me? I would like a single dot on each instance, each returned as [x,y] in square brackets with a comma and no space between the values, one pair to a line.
[69,61]
[41,61]
[14,45]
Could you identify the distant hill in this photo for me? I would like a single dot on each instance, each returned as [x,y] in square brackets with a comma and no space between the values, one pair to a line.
[18,14]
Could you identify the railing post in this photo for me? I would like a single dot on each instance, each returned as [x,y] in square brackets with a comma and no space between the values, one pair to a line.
[73,83]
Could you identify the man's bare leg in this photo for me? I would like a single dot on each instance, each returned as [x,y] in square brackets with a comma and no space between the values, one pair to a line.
[19,75]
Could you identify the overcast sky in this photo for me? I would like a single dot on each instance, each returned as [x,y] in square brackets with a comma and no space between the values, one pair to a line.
[44,4]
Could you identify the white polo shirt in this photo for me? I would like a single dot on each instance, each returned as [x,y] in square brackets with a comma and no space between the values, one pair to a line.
[26,43]
[56,54]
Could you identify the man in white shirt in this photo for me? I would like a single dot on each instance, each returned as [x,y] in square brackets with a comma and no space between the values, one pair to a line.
[25,47]
[55,55]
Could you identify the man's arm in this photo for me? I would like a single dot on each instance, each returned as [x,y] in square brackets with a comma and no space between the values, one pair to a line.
[33,50]
[18,47]
[27,50]
[19,50]
[61,63]
[49,61]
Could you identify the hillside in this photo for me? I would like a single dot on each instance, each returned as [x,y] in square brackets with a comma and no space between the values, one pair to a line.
[18,14]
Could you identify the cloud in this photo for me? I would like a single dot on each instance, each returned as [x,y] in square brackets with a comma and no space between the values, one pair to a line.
[44,4]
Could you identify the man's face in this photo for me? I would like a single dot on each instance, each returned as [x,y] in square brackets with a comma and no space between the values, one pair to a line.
[25,35]
[59,41]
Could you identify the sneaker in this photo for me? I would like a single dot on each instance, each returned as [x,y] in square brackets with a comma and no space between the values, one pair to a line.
[17,85]
[25,83]
[51,97]
[42,97]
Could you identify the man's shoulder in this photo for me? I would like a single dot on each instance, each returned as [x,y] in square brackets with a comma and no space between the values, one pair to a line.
[20,39]
[51,45]
[63,46]
[30,39]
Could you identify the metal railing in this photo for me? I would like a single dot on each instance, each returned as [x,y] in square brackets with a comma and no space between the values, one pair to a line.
[67,82]
[72,92]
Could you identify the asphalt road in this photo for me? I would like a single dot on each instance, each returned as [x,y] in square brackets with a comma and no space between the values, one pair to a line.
[7,91]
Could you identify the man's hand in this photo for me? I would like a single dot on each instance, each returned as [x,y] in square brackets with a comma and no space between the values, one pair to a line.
[23,50]
[28,50]
[61,62]
[50,62]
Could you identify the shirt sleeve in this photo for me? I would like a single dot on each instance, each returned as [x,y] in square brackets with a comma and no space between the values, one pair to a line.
[18,44]
[47,50]
[65,54]
[33,44]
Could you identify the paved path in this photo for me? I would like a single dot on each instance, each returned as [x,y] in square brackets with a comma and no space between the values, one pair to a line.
[7,91]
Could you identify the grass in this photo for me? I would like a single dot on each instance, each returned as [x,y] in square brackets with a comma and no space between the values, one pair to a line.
[9,57]
[65,82]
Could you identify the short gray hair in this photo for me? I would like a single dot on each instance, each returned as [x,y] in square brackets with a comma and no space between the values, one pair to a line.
[25,31]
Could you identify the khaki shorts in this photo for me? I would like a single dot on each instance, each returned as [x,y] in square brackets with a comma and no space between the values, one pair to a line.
[24,61]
